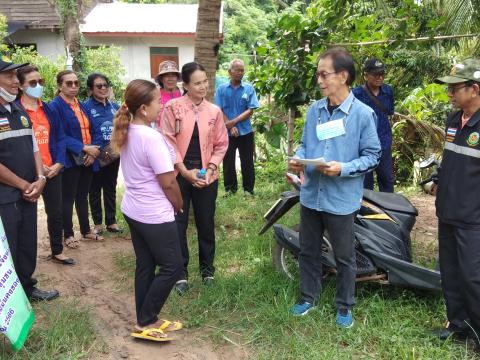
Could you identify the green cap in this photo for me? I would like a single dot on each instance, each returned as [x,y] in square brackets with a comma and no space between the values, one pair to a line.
[466,70]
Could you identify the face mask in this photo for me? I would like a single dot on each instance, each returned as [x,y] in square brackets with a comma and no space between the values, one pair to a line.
[35,92]
[5,95]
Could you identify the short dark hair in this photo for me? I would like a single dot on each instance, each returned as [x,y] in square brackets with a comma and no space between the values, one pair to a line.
[92,77]
[188,69]
[24,71]
[342,60]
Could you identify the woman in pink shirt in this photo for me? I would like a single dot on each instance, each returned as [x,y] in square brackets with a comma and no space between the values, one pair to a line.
[149,204]
[167,78]
[195,128]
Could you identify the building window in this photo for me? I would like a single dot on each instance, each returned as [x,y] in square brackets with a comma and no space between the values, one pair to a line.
[159,54]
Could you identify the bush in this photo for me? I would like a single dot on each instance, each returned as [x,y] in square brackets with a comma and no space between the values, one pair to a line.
[104,60]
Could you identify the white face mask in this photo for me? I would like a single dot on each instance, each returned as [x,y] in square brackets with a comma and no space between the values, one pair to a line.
[5,95]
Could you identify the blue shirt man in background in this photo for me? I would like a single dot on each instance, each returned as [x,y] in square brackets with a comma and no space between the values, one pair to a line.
[379,97]
[237,100]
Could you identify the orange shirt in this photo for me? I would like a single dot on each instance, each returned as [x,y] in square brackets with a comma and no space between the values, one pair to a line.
[82,120]
[41,129]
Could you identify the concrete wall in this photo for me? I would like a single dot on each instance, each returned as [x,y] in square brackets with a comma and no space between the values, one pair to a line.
[135,53]
[48,43]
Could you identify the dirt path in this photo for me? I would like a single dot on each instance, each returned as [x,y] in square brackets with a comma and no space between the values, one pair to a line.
[90,281]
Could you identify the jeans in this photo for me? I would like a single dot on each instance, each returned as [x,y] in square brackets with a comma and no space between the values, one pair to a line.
[459,251]
[52,198]
[106,179]
[154,245]
[75,185]
[203,201]
[384,172]
[340,230]
[245,145]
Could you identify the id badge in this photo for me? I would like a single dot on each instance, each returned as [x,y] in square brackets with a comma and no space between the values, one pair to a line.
[330,129]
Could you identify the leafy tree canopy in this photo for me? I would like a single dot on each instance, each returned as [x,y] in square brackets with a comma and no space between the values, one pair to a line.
[288,58]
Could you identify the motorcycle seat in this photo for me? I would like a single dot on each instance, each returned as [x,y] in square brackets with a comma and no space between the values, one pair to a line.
[390,201]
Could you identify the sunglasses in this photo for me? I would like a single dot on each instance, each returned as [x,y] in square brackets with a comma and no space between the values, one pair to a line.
[34,83]
[453,89]
[323,74]
[101,86]
[71,83]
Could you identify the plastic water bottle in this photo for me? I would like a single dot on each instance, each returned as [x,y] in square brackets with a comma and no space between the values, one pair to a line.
[201,174]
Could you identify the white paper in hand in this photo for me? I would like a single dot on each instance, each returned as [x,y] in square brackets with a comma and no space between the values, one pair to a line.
[314,162]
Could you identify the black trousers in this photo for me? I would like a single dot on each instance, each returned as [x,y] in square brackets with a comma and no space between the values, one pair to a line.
[245,146]
[75,187]
[459,251]
[105,179]
[154,245]
[52,198]
[384,172]
[340,229]
[203,201]
[20,223]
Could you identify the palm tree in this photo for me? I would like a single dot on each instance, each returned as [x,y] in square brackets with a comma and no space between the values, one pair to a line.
[207,40]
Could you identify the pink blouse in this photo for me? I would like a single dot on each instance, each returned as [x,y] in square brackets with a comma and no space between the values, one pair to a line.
[166,96]
[178,122]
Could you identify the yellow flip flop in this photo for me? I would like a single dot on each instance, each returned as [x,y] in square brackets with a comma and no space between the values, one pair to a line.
[169,326]
[147,335]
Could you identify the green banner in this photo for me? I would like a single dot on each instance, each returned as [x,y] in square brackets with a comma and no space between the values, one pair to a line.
[16,313]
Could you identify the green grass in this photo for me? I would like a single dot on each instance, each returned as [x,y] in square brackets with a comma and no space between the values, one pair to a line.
[63,329]
[249,302]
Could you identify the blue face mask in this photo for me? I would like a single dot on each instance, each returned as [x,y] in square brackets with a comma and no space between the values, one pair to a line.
[35,92]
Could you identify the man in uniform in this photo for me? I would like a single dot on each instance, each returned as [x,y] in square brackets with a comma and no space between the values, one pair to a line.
[21,182]
[458,204]
[379,97]
[237,99]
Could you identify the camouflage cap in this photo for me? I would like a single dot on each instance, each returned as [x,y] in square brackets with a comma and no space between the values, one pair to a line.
[466,70]
[168,67]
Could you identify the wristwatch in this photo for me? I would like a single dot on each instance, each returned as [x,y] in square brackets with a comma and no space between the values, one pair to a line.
[43,177]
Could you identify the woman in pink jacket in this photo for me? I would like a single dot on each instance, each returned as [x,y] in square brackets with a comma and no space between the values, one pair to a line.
[195,128]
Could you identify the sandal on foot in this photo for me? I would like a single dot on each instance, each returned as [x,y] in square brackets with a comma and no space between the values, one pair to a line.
[92,236]
[151,334]
[66,261]
[71,242]
[169,326]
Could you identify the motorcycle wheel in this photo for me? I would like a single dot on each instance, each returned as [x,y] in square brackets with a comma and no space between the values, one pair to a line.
[286,262]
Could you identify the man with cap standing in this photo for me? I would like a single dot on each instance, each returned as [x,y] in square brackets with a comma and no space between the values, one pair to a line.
[238,100]
[458,204]
[21,182]
[379,97]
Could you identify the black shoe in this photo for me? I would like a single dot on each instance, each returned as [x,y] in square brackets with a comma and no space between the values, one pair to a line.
[181,287]
[456,333]
[208,280]
[42,295]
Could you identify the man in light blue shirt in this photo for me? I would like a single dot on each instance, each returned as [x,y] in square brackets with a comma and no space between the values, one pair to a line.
[342,130]
[237,100]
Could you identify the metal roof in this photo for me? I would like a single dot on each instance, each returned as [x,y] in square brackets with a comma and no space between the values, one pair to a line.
[125,18]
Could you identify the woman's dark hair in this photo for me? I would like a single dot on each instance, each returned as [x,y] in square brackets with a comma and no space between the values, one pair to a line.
[24,71]
[138,93]
[60,76]
[342,61]
[188,69]
[92,77]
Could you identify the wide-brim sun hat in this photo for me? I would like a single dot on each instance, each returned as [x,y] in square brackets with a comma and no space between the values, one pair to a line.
[168,67]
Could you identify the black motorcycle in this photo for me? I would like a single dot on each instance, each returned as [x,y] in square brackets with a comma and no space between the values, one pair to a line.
[382,241]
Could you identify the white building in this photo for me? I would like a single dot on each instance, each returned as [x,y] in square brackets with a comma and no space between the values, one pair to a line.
[147,33]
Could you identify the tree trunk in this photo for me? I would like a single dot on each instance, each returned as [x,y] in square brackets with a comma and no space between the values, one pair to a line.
[207,40]
[71,33]
[290,130]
